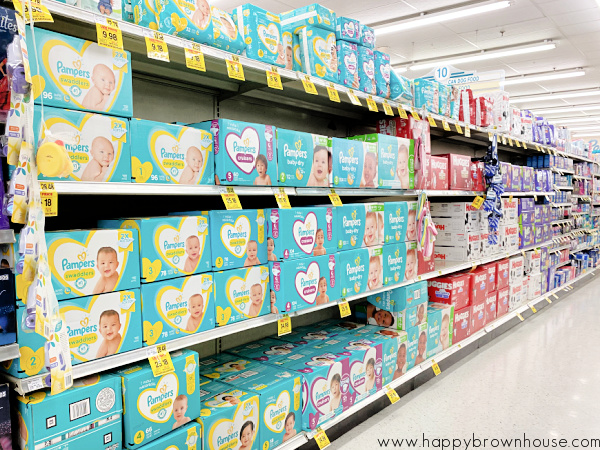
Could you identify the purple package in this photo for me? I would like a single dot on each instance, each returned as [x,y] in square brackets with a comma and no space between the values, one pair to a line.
[548,180]
[538,177]
[547,233]
[544,281]
[537,133]
[545,213]
[537,214]
[544,260]
[539,234]
[527,176]
[516,180]
[551,273]
[549,135]
[506,170]
[526,204]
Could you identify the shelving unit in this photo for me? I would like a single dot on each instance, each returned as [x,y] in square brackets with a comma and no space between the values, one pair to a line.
[563,188]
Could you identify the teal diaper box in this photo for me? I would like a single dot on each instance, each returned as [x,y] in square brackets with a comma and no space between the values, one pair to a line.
[400,298]
[394,351]
[88,415]
[241,294]
[354,163]
[99,146]
[417,344]
[359,225]
[303,159]
[190,20]
[264,350]
[167,153]
[310,15]
[145,12]
[170,246]
[440,326]
[318,53]
[154,406]
[78,74]
[177,308]
[238,238]
[400,221]
[226,34]
[186,437]
[399,262]
[361,270]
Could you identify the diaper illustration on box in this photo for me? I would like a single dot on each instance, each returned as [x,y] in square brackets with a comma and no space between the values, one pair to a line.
[239,239]
[311,15]
[146,13]
[225,32]
[262,34]
[185,437]
[367,36]
[347,29]
[154,406]
[287,39]
[241,294]
[440,320]
[175,308]
[170,246]
[366,70]
[187,19]
[318,53]
[365,367]
[91,262]
[79,74]
[354,163]
[303,159]
[382,73]
[302,283]
[311,230]
[394,362]
[348,64]
[99,146]
[170,154]
[104,7]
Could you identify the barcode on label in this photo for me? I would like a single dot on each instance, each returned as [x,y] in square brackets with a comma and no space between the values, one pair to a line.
[248,374]
[417,294]
[69,379]
[79,409]
[203,392]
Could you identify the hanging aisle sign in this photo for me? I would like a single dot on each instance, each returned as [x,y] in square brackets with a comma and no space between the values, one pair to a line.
[478,82]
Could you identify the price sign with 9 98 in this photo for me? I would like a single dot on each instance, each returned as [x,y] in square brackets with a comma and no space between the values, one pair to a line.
[108,33]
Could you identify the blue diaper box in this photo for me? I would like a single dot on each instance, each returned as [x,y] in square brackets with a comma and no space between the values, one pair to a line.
[348,64]
[303,159]
[347,29]
[313,15]
[354,163]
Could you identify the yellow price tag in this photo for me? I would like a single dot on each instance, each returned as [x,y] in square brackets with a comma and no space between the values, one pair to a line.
[108,33]
[274,79]
[548,300]
[335,198]
[160,360]
[321,439]
[445,125]
[490,136]
[510,142]
[353,98]
[555,296]
[458,128]
[525,145]
[49,198]
[230,198]
[431,121]
[38,13]
[156,46]
[392,395]
[517,143]
[334,96]
[520,317]
[535,197]
[436,368]
[194,57]
[402,112]
[371,104]
[510,198]
[538,148]
[344,309]
[533,309]
[415,114]
[234,68]
[478,202]
[387,109]
[309,86]
[284,325]
[282,198]
[467,131]
[503,140]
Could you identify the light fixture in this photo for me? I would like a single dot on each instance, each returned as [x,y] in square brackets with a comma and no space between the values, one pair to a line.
[485,54]
[568,109]
[424,19]
[577,120]
[543,77]
[590,128]
[553,96]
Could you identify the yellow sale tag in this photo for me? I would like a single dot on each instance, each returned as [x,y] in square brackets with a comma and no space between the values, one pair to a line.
[458,128]
[431,121]
[555,296]
[402,112]
[194,57]
[344,309]
[273,79]
[525,145]
[234,68]
[535,197]
[156,46]
[517,143]
[510,142]
[520,317]
[477,202]
[387,109]
[533,309]
[510,197]
[282,198]
[284,326]
[445,125]
[353,98]
[39,13]
[392,395]
[108,33]
[436,368]
[335,198]
[548,300]
[415,114]
[160,360]
[49,198]
[490,136]
[538,148]
[503,140]
[309,86]
[231,199]
[334,96]
[371,104]
[321,439]
[467,131]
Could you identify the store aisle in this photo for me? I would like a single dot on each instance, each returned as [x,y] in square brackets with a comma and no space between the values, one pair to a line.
[540,378]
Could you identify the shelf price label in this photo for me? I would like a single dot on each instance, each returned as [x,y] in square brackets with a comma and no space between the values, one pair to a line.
[284,325]
[520,317]
[467,131]
[344,308]
[335,198]
[415,114]
[517,143]
[156,46]
[503,140]
[38,13]
[49,198]
[477,202]
[234,68]
[353,98]
[108,33]
[274,79]
[387,109]
[321,439]
[445,125]
[533,309]
[194,57]
[230,198]
[392,395]
[431,121]
[334,96]
[160,360]
[490,136]
[525,145]
[510,141]
[282,198]
[371,104]
[402,112]
[309,86]
[436,368]
[458,128]
[548,300]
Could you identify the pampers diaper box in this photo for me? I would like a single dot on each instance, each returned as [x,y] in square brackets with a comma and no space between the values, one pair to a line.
[187,19]
[354,163]
[303,159]
[399,262]
[79,74]
[382,73]
[165,153]
[238,238]
[177,308]
[300,232]
[90,262]
[440,325]
[400,298]
[261,31]
[154,406]
[186,437]
[311,15]
[228,417]
[361,270]
[225,32]
[302,283]
[347,29]
[264,350]
[347,64]
[358,225]
[366,70]
[88,415]
[170,246]
[244,152]
[367,36]
[241,294]
[97,326]
[318,53]
[399,221]
[417,344]
[98,145]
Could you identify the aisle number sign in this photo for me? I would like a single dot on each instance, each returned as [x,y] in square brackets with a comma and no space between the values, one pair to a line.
[156,46]
[234,68]
[49,198]
[230,198]
[194,57]
[284,325]
[160,360]
[108,33]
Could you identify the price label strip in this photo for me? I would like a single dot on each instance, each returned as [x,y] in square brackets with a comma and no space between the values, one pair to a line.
[108,33]
[274,79]
[415,114]
[533,309]
[402,112]
[510,142]
[371,104]
[284,326]
[335,198]
[353,98]
[436,368]
[282,198]
[321,439]
[309,86]
[234,68]
[230,198]
[477,202]
[49,198]
[156,46]
[387,109]
[431,121]
[467,131]
[344,309]
[520,317]
[194,57]
[392,395]
[160,360]
[458,128]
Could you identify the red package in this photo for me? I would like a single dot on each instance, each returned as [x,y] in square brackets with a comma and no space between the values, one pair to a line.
[490,306]
[502,274]
[452,290]
[477,181]
[491,275]
[425,264]
[466,111]
[502,304]
[462,324]
[477,317]
[459,168]
[438,173]
[479,286]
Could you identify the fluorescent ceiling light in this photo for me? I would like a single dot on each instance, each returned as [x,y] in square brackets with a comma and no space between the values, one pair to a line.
[568,109]
[546,77]
[483,55]
[591,128]
[577,120]
[554,96]
[431,18]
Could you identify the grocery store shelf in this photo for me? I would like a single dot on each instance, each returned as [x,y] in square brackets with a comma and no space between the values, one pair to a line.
[8,352]
[595,203]
[581,213]
[527,194]
[563,247]
[565,204]
[562,171]
[581,177]
[558,222]
[563,188]
[564,263]
[584,198]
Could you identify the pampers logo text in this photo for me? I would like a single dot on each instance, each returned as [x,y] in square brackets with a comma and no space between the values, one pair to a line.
[239,234]
[322,397]
[395,219]
[160,397]
[77,265]
[395,261]
[221,440]
[76,72]
[350,222]
[245,148]
[296,153]
[348,159]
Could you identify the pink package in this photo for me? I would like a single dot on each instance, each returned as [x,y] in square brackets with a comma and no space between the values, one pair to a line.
[438,173]
[483,112]
[477,317]
[490,307]
[502,304]
[477,181]
[462,324]
[502,274]
[459,168]
[491,275]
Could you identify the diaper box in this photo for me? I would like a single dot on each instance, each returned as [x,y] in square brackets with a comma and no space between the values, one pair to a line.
[226,34]
[261,31]
[399,221]
[509,237]
[361,270]
[367,36]
[469,215]
[479,285]
[394,352]
[459,167]
[358,225]
[366,70]
[347,54]
[491,275]
[310,15]
[238,238]
[440,323]
[97,326]
[347,29]
[188,20]
[301,232]
[168,153]
[502,304]
[477,317]
[187,436]
[170,246]
[79,74]
[8,307]
[426,94]
[302,283]
[177,308]
[510,211]
[154,406]
[303,159]
[451,289]
[98,145]
[516,268]
[417,345]
[490,307]
[470,252]
[318,53]
[399,262]
[354,163]
[400,298]
[532,263]
[438,175]
[411,316]
[264,350]
[62,421]
[462,324]
[400,88]
[245,153]
[382,73]
[426,263]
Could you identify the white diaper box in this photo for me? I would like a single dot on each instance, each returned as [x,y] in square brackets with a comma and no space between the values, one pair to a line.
[509,237]
[525,288]
[510,212]
[458,224]
[534,288]
[516,267]
[464,212]
[533,261]
[514,295]
[471,250]
[488,249]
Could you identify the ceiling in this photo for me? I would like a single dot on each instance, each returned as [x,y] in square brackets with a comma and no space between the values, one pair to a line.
[574,25]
